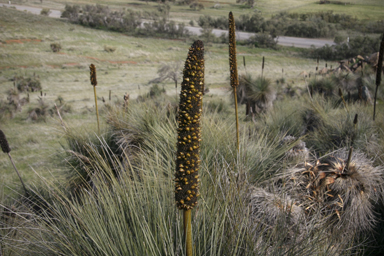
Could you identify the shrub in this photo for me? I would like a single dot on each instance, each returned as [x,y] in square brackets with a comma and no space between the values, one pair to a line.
[155,91]
[360,45]
[310,29]
[323,86]
[197,6]
[258,94]
[109,48]
[207,35]
[55,47]
[45,11]
[28,84]
[263,40]
[71,12]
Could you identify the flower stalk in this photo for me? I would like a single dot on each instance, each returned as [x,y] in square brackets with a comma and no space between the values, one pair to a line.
[233,71]
[189,137]
[92,69]
[7,150]
[352,141]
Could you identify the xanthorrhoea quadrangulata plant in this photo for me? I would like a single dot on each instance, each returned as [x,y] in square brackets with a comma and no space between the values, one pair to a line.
[189,137]
[7,150]
[233,69]
[92,69]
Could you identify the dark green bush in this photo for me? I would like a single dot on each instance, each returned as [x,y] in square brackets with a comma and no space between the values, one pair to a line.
[28,84]
[360,45]
[55,47]
[263,40]
[310,29]
[45,11]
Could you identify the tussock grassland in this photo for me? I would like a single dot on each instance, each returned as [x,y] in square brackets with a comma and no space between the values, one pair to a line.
[288,190]
[25,50]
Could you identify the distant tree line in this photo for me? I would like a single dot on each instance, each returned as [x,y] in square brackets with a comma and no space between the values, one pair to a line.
[126,21]
[310,25]
[360,45]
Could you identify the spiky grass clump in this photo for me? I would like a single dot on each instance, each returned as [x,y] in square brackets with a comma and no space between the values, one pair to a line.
[328,129]
[134,214]
[324,86]
[287,118]
[80,156]
[299,151]
[189,131]
[271,207]
[258,93]
[346,196]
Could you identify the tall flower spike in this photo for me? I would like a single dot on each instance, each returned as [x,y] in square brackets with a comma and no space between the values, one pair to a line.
[4,143]
[7,150]
[189,133]
[233,70]
[380,62]
[232,52]
[92,69]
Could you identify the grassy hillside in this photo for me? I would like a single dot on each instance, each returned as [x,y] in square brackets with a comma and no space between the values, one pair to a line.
[369,10]
[25,50]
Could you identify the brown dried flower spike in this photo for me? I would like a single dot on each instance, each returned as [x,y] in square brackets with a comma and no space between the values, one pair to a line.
[232,52]
[233,70]
[7,150]
[188,143]
[92,69]
[4,143]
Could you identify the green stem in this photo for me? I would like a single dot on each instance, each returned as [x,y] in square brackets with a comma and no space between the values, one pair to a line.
[237,120]
[97,110]
[188,231]
[14,166]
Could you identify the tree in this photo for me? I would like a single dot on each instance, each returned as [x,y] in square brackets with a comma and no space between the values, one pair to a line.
[249,3]
[170,71]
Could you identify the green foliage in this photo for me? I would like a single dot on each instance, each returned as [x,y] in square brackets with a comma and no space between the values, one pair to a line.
[162,27]
[310,29]
[55,47]
[196,6]
[263,40]
[360,45]
[45,11]
[155,91]
[323,86]
[100,16]
[258,94]
[27,84]
[127,21]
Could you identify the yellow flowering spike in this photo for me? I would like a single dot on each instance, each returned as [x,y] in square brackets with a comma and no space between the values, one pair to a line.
[188,145]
